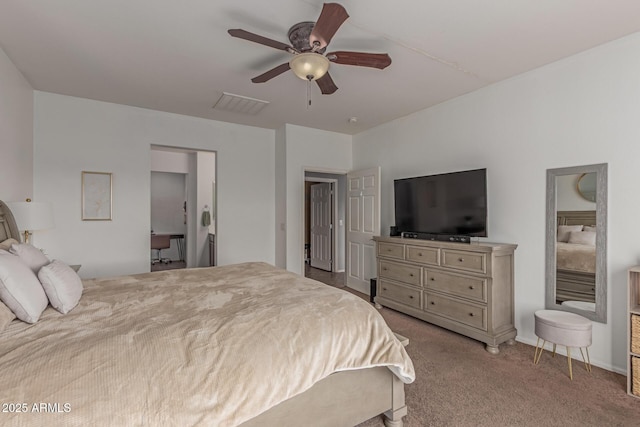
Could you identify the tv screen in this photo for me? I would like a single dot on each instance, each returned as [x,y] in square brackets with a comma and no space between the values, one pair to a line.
[452,203]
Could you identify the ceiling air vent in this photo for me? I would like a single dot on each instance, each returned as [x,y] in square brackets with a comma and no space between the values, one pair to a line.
[239,104]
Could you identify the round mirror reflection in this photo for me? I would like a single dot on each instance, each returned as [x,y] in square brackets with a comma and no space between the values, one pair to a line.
[587,186]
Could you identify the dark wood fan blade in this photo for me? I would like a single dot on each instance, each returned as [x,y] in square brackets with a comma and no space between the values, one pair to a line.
[271,73]
[362,59]
[246,35]
[331,17]
[326,84]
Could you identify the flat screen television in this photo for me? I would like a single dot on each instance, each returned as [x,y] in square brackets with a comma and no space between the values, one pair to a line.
[445,204]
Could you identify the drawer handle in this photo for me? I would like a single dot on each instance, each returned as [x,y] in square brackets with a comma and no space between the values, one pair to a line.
[471,287]
[433,279]
[384,289]
[433,303]
[471,314]
[419,253]
[384,268]
[410,296]
[410,274]
[461,259]
[389,249]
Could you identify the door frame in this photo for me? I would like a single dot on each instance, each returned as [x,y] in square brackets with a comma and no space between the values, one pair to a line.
[334,213]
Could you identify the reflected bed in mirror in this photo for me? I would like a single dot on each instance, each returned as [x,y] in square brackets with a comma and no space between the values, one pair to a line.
[576,240]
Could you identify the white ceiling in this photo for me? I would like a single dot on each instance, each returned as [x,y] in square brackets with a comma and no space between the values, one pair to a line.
[176,56]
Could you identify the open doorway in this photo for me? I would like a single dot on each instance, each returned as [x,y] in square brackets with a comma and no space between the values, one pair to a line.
[168,220]
[324,231]
[194,239]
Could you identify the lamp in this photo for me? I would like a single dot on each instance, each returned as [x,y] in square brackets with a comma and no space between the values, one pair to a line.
[32,216]
[309,65]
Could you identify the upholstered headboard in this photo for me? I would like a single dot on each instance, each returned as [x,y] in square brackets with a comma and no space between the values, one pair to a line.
[576,217]
[8,227]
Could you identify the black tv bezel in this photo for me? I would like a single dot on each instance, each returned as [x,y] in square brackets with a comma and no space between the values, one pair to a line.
[430,235]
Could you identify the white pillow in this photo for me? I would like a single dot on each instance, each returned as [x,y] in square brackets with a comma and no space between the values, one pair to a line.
[583,238]
[589,228]
[20,289]
[62,285]
[6,244]
[564,230]
[30,255]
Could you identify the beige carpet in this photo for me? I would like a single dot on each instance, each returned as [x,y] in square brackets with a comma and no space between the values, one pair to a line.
[459,384]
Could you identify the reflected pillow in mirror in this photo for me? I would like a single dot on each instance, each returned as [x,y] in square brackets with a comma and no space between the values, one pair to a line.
[583,238]
[564,230]
[589,228]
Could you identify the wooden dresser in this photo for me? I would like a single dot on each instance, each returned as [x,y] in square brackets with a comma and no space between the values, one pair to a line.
[467,288]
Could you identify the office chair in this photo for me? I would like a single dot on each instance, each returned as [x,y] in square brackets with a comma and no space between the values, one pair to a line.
[160,242]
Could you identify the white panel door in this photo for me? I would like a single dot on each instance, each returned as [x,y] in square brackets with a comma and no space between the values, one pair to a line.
[321,226]
[363,222]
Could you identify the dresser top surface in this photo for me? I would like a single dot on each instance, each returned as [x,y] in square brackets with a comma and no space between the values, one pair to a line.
[474,246]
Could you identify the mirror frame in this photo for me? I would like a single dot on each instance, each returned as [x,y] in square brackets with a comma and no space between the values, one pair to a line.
[600,314]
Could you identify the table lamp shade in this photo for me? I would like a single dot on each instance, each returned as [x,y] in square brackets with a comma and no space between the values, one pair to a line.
[32,215]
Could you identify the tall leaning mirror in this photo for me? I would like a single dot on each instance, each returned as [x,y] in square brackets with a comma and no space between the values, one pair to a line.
[576,245]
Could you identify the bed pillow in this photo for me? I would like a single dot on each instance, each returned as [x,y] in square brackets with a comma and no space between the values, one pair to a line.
[583,238]
[5,245]
[6,316]
[30,255]
[61,284]
[564,230]
[20,289]
[589,228]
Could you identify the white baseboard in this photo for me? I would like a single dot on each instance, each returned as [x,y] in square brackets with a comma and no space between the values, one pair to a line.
[560,349]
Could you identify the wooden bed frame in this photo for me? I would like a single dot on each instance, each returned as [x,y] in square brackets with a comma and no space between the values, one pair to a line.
[575,285]
[342,399]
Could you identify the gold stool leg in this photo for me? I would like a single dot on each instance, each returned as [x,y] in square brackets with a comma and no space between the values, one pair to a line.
[569,361]
[554,351]
[538,353]
[587,361]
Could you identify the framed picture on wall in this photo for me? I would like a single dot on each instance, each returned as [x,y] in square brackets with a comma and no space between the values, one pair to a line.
[96,196]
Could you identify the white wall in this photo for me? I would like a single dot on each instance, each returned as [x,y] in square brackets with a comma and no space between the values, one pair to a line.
[578,111]
[312,150]
[16,134]
[73,134]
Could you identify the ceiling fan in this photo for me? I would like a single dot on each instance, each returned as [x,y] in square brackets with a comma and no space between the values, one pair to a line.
[309,41]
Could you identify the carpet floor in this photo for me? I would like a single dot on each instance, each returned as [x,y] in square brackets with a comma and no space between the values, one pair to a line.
[458,383]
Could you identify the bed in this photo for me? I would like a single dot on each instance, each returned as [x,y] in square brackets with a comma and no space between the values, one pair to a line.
[240,345]
[575,262]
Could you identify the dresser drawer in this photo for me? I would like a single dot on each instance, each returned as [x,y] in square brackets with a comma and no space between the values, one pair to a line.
[390,250]
[423,255]
[460,311]
[464,286]
[464,260]
[399,293]
[400,272]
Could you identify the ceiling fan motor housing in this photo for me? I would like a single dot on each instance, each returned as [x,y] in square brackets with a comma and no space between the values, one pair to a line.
[299,36]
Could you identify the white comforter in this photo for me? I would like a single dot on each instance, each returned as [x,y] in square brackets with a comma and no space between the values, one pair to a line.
[210,347]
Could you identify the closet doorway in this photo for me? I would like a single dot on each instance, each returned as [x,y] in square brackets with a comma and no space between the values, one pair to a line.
[192,237]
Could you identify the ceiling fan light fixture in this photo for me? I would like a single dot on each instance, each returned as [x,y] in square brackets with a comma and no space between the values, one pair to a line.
[309,65]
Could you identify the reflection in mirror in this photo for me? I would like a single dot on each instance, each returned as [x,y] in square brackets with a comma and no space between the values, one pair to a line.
[576,240]
[587,186]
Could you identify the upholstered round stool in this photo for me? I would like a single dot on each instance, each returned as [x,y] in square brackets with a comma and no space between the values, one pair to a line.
[564,328]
